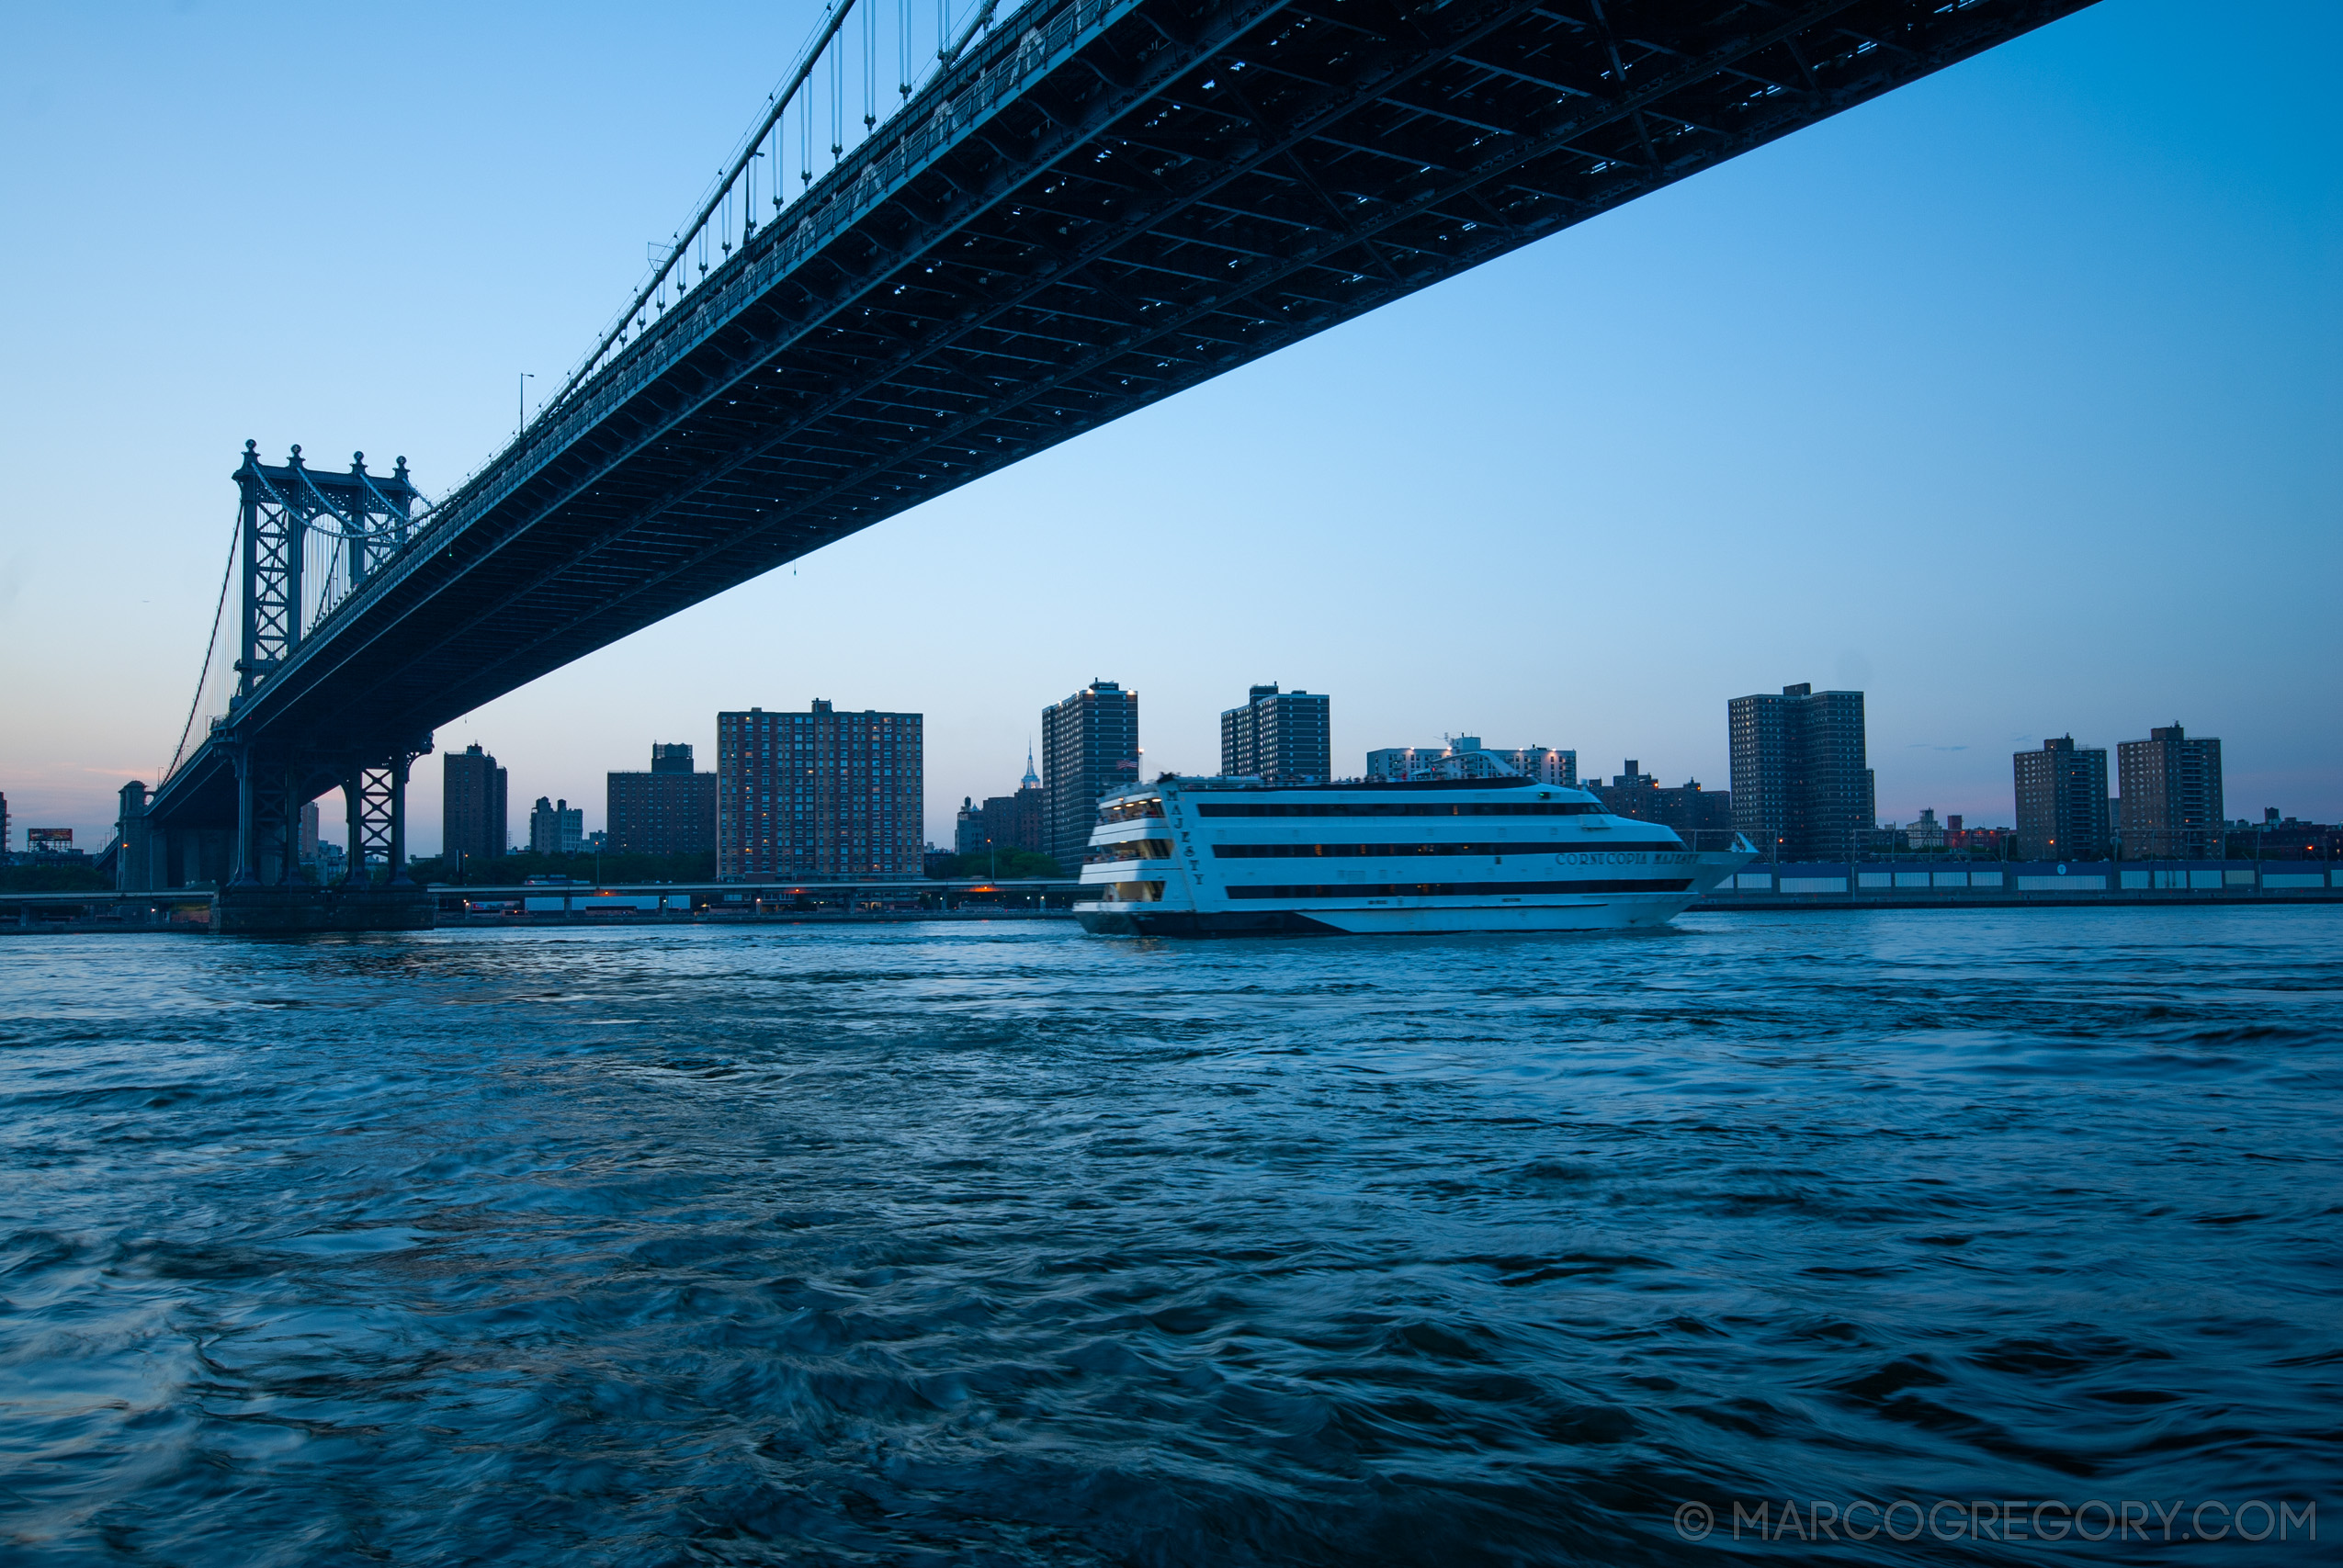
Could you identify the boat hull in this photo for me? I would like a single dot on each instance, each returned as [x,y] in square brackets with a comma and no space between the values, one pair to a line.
[1578,915]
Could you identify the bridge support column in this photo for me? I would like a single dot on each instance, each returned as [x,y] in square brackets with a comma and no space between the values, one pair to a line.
[376,794]
[353,803]
[288,850]
[133,863]
[397,877]
[247,846]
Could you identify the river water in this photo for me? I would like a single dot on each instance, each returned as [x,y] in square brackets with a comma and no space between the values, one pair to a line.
[997,1243]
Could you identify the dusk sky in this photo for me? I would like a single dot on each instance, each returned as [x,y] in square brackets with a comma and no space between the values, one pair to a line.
[2010,399]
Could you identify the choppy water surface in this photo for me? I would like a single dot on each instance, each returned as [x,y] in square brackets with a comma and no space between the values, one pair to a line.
[996,1243]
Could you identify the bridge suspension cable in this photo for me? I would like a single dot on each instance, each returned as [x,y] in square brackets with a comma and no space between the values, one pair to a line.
[210,650]
[687,260]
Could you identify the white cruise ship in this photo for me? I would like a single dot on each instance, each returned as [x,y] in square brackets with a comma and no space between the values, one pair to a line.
[1236,857]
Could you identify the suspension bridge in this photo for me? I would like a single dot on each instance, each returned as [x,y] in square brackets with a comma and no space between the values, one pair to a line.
[946,244]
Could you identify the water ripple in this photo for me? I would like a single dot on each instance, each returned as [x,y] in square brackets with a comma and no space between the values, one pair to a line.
[993,1245]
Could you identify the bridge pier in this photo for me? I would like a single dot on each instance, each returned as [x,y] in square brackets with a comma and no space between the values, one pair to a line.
[134,861]
[247,873]
[271,901]
[288,912]
[398,866]
[289,825]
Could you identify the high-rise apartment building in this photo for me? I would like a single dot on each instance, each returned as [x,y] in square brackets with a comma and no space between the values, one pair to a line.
[2062,801]
[1802,789]
[471,803]
[555,827]
[1090,747]
[669,810]
[819,795]
[1281,737]
[2171,790]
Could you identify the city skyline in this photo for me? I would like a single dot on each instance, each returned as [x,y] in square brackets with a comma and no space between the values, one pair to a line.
[2087,328]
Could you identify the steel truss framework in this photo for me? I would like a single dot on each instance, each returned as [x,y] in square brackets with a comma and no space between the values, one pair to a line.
[368,520]
[273,788]
[1097,207]
[376,799]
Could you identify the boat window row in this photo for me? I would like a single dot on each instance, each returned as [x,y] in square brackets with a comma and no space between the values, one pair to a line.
[1400,809]
[1361,852]
[1462,889]
[1131,849]
[1131,811]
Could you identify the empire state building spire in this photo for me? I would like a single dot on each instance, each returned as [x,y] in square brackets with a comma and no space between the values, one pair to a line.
[1032,779]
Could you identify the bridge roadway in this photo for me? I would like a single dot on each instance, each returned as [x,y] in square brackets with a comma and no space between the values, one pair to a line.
[1103,202]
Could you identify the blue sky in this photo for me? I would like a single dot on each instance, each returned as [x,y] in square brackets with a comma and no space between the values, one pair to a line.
[2010,399]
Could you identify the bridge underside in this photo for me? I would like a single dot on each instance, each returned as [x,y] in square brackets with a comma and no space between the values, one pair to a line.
[1102,205]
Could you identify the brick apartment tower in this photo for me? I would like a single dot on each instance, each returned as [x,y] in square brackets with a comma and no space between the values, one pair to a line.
[1282,736]
[2062,801]
[471,805]
[818,795]
[2171,790]
[1802,789]
[1090,747]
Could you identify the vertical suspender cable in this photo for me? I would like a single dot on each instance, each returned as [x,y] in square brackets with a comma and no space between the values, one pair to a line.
[799,78]
[837,101]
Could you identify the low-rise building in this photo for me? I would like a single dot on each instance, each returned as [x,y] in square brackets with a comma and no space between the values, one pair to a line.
[1977,843]
[2277,838]
[555,827]
[1686,807]
[1003,821]
[1463,757]
[671,810]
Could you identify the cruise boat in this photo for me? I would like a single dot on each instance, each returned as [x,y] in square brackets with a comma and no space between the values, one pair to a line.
[1239,857]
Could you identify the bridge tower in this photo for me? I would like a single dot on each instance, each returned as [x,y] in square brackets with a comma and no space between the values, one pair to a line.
[308,541]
